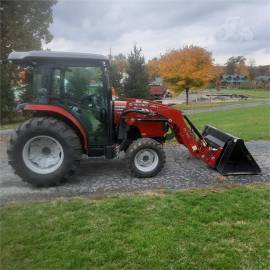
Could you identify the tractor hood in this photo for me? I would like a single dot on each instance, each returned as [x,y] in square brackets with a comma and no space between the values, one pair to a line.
[119,106]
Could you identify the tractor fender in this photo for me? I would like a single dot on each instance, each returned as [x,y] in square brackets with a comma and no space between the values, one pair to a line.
[60,112]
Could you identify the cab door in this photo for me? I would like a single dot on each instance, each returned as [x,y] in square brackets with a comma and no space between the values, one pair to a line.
[83,91]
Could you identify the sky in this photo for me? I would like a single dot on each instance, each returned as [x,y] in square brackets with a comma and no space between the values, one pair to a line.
[226,28]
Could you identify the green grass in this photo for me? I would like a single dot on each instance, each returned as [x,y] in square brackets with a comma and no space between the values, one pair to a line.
[9,126]
[14,123]
[200,229]
[247,123]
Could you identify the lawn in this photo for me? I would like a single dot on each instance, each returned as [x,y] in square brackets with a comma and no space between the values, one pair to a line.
[199,229]
[13,124]
[247,123]
[9,126]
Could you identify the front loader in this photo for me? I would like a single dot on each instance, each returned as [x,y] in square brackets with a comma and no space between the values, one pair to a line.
[72,112]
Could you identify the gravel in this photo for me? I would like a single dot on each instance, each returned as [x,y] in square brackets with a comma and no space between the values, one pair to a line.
[98,177]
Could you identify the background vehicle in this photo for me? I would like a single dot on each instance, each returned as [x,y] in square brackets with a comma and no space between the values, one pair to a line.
[69,96]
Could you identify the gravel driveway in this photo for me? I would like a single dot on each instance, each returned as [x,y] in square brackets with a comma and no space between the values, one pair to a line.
[99,177]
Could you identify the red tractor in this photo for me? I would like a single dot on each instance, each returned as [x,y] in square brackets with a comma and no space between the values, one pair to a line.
[72,113]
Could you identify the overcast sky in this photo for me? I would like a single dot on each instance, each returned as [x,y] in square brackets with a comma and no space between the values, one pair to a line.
[226,28]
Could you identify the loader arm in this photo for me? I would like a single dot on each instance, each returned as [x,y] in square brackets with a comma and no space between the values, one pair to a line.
[181,126]
[220,150]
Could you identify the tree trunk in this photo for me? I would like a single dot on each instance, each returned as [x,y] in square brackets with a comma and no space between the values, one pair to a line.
[218,84]
[187,92]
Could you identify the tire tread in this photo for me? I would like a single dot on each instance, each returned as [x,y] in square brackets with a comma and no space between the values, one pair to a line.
[139,144]
[39,123]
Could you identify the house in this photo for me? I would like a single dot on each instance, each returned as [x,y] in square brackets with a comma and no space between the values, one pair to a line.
[233,79]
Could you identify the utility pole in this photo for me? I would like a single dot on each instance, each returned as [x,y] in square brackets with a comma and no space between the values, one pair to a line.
[110,55]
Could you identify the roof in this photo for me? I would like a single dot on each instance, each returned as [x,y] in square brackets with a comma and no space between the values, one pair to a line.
[38,55]
[157,81]
[233,78]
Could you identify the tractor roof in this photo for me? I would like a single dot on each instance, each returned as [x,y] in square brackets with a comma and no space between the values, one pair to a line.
[42,55]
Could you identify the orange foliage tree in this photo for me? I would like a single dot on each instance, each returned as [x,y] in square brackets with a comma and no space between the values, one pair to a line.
[219,73]
[121,62]
[153,68]
[243,69]
[236,65]
[190,67]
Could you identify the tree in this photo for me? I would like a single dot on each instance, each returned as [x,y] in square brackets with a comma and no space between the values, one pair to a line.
[24,26]
[237,65]
[255,71]
[120,62]
[263,70]
[219,73]
[116,77]
[251,69]
[136,84]
[118,67]
[190,67]
[153,68]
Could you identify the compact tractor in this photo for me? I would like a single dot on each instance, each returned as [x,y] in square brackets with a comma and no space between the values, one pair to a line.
[69,98]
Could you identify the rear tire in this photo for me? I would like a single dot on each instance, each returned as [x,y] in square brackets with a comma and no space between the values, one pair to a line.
[145,158]
[44,151]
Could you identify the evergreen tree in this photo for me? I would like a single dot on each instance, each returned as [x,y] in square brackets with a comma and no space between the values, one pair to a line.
[24,26]
[136,84]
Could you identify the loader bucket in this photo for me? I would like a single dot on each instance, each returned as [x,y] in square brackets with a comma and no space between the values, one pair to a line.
[235,157]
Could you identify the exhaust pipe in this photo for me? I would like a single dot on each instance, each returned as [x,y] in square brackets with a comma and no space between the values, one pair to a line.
[235,157]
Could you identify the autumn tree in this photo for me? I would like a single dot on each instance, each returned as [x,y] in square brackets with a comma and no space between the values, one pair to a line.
[252,69]
[136,83]
[263,70]
[153,69]
[237,65]
[120,61]
[116,77]
[118,67]
[24,26]
[189,67]
[219,71]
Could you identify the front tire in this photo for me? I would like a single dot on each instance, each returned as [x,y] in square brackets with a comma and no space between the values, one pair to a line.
[44,151]
[145,158]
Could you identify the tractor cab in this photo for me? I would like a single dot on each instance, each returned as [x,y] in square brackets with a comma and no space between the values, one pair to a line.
[76,82]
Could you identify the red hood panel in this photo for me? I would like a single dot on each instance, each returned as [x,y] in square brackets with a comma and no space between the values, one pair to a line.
[120,103]
[119,106]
